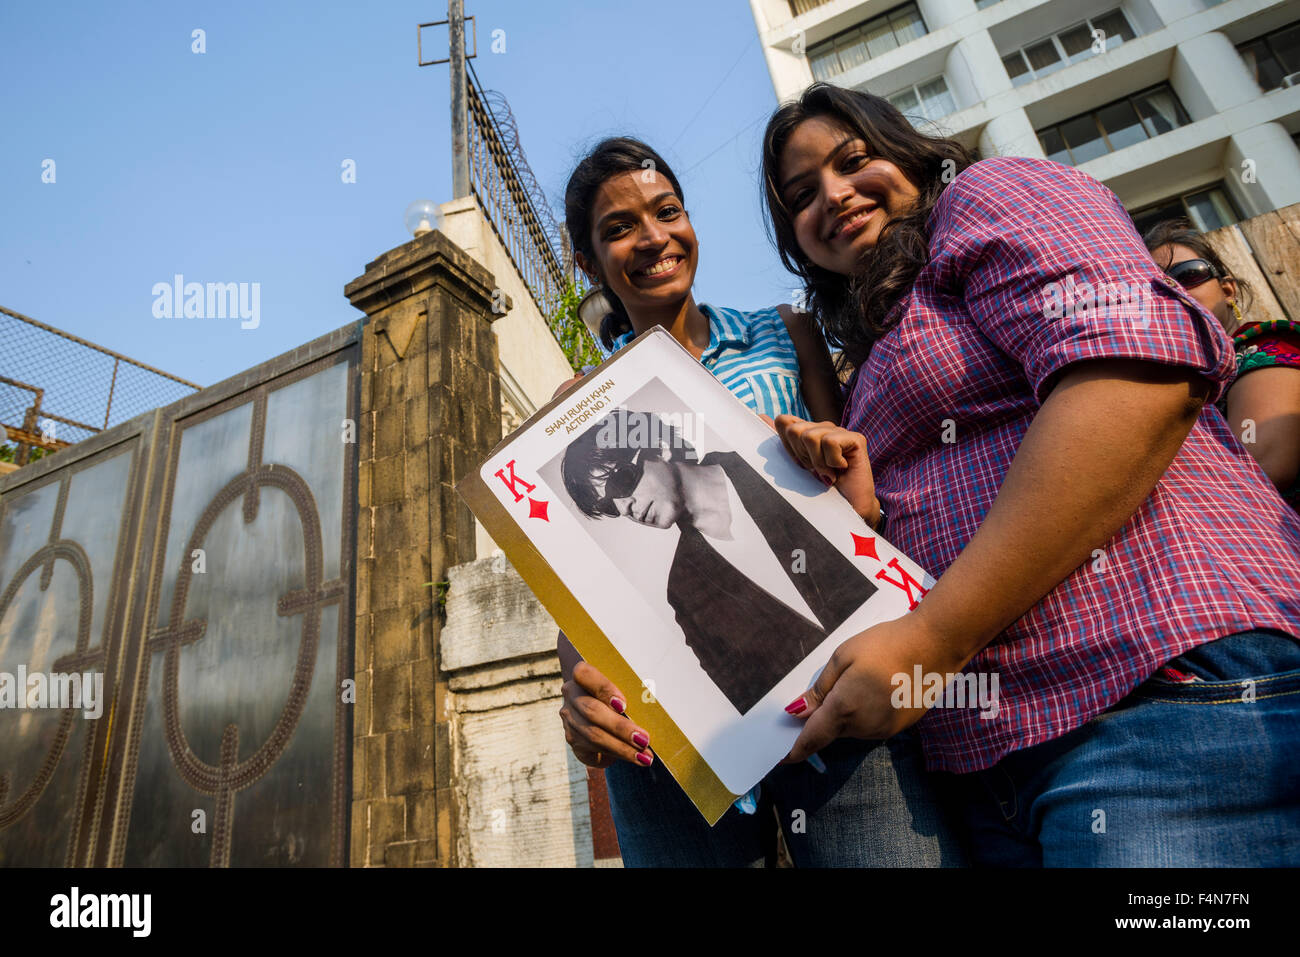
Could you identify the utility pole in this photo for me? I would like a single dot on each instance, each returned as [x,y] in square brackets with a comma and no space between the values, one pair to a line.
[456,58]
[459,102]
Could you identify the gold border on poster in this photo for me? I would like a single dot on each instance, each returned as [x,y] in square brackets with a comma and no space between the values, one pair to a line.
[670,745]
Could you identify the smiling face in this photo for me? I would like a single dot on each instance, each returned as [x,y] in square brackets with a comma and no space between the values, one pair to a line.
[1216,295]
[838,194]
[646,250]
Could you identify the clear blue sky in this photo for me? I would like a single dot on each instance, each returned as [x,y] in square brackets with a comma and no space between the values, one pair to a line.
[225,166]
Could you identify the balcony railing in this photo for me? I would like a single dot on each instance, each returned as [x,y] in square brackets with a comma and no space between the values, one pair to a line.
[1081,41]
[1114,126]
[867,40]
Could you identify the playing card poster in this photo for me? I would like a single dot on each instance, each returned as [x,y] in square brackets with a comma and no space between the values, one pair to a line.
[688,557]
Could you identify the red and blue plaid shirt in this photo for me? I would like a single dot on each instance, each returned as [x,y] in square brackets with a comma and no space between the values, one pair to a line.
[948,393]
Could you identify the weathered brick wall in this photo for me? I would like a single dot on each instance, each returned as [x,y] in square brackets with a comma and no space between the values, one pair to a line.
[521,794]
[430,409]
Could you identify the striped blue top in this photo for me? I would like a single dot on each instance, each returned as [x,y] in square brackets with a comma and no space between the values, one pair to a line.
[752,354]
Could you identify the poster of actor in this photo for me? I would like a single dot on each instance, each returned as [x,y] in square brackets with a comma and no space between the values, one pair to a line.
[687,556]
[753,585]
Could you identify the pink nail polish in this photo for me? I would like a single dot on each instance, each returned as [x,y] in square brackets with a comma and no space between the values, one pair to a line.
[617,704]
[796,707]
[645,758]
[641,739]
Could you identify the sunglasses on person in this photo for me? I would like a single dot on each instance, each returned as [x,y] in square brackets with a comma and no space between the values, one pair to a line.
[1192,273]
[620,482]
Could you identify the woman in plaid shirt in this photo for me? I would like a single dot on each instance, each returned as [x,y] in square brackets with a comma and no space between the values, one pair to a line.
[1033,399]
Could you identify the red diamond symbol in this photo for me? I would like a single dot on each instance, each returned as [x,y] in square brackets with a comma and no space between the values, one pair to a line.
[863,546]
[537,509]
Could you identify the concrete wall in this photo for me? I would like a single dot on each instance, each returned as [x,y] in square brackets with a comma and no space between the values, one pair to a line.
[532,362]
[520,792]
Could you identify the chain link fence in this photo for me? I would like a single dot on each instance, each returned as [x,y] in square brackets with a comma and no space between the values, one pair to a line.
[57,389]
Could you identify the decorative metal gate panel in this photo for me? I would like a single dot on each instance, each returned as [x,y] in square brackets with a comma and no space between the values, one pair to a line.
[66,546]
[200,558]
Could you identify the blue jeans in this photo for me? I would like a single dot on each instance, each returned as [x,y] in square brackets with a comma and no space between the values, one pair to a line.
[1174,775]
[874,807]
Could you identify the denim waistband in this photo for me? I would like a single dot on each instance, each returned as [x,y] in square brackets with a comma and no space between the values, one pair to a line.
[1243,655]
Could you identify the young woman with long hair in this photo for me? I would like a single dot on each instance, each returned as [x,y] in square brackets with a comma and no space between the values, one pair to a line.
[1032,398]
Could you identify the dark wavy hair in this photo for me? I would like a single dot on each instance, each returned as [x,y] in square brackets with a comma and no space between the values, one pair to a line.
[620,154]
[1181,232]
[852,311]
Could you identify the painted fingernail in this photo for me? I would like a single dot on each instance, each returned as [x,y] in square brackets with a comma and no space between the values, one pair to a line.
[817,763]
[798,706]
[617,704]
[645,758]
[825,481]
[641,739]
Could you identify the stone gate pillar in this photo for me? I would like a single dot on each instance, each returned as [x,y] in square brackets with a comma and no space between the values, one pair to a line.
[430,409]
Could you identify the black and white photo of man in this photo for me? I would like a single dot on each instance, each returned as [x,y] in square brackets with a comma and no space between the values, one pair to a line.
[735,531]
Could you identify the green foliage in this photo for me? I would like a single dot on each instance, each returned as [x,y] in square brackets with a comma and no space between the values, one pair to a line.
[579,347]
[441,600]
[9,452]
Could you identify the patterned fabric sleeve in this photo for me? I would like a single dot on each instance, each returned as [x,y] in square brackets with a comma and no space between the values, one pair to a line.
[1271,342]
[1261,345]
[1053,273]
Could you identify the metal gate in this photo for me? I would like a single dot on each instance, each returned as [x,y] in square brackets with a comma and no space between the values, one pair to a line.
[200,560]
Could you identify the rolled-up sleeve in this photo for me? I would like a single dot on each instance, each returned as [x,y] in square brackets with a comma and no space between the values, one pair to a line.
[1052,271]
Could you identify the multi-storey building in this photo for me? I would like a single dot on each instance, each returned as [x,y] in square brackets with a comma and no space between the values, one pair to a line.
[1179,106]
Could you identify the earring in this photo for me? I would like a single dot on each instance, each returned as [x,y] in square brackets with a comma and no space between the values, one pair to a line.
[1236,310]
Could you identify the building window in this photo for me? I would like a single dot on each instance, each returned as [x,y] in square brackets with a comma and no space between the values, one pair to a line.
[803,6]
[1208,208]
[929,100]
[1274,58]
[1095,35]
[1114,126]
[856,46]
